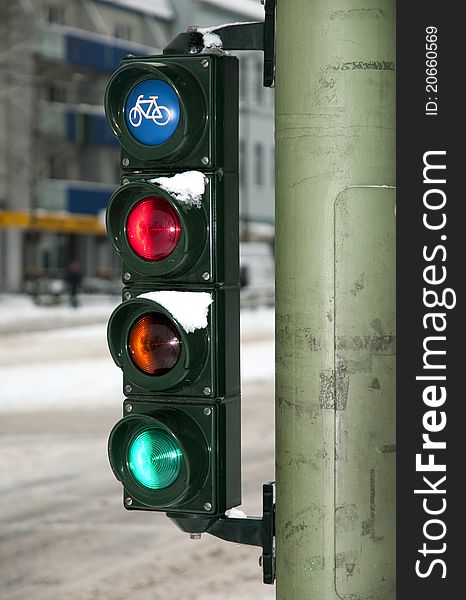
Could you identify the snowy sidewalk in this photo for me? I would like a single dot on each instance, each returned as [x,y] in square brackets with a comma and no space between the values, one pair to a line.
[61,360]
[19,314]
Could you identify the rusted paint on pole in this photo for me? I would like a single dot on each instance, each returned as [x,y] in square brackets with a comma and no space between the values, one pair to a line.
[335,299]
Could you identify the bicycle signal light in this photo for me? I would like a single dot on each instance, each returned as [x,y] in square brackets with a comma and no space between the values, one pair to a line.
[152,112]
[175,112]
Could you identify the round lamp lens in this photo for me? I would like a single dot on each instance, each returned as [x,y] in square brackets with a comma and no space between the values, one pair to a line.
[154,344]
[154,458]
[152,112]
[153,229]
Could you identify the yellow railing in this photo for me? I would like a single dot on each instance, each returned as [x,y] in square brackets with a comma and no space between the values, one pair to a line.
[48,221]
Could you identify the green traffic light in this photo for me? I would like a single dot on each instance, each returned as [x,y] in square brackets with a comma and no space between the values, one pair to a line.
[155,458]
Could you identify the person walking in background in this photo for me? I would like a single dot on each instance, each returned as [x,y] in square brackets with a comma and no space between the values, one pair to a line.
[73,279]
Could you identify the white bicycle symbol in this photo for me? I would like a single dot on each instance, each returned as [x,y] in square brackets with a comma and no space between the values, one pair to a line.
[155,112]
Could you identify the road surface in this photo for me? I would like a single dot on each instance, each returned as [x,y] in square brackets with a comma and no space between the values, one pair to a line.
[64,534]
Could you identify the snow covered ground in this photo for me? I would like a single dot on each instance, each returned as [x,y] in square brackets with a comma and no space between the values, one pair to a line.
[57,357]
[65,531]
[19,313]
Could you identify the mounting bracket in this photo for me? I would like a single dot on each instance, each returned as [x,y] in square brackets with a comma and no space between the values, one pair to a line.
[238,36]
[252,531]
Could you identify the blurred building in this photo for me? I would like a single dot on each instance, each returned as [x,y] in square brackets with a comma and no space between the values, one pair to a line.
[59,162]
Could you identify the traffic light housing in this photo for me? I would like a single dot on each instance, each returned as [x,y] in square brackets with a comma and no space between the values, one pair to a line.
[198,240]
[197,458]
[201,94]
[150,340]
[174,222]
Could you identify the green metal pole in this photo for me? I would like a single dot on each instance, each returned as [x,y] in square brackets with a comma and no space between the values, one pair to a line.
[335,299]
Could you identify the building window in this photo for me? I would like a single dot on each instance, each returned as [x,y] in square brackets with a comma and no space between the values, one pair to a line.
[54,13]
[57,167]
[55,92]
[259,81]
[122,31]
[259,163]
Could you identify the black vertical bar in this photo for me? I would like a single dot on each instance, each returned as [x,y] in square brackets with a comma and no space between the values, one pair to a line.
[430,109]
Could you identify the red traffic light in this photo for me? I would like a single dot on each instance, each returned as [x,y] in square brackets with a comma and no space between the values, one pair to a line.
[153,229]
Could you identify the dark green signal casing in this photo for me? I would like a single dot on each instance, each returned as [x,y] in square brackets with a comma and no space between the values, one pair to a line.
[208,480]
[208,364]
[207,251]
[206,87]
[174,221]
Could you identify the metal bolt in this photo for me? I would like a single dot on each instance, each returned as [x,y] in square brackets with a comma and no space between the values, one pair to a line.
[206,180]
[127,295]
[126,276]
[125,181]
[207,411]
[194,536]
[125,162]
[191,28]
[206,391]
[205,276]
[128,501]
[205,160]
[128,407]
[207,506]
[205,63]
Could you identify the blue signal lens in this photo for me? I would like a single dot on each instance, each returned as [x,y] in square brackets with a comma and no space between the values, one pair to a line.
[152,112]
